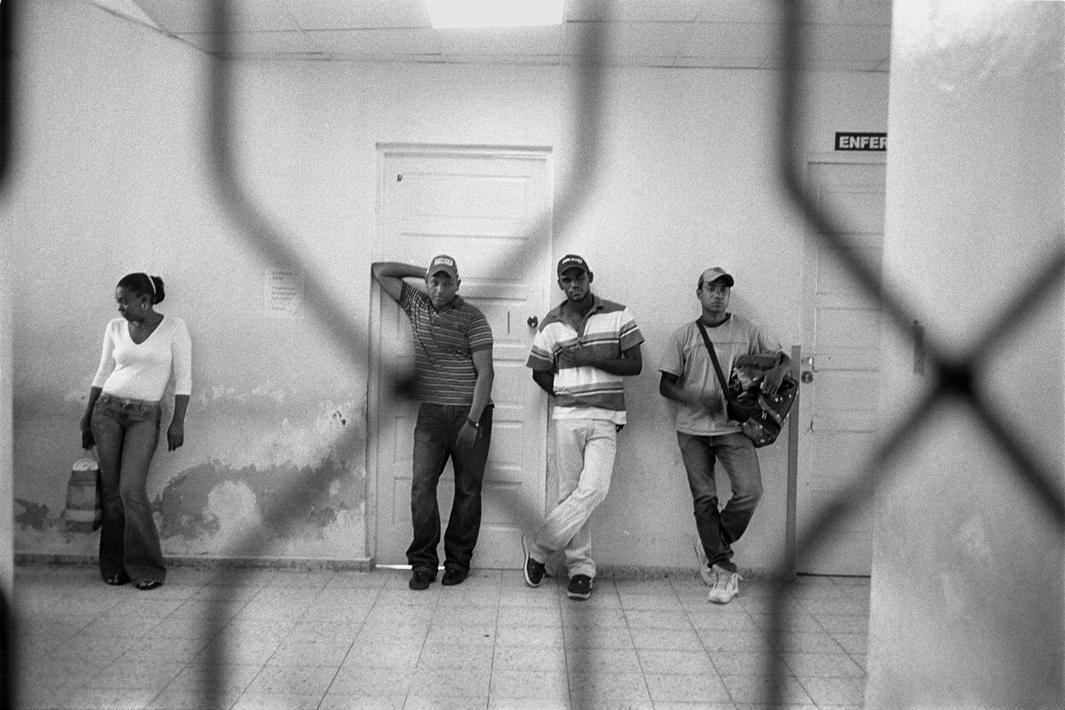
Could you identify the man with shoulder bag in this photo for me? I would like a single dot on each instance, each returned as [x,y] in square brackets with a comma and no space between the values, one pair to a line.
[692,376]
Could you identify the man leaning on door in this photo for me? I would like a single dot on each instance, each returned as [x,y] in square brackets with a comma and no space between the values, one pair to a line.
[453,385]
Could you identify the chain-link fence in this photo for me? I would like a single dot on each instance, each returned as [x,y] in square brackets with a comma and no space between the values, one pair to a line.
[951,377]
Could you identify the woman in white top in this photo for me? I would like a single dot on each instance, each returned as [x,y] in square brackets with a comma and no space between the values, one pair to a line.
[142,350]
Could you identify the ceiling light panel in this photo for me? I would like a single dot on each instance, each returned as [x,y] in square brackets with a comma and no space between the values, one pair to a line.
[520,41]
[446,14]
[365,14]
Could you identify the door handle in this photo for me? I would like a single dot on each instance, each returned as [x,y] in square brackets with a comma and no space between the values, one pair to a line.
[533,321]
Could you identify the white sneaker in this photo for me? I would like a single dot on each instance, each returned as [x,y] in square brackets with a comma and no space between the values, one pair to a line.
[704,564]
[726,586]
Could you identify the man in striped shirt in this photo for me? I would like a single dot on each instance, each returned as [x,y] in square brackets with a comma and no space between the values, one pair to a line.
[453,383]
[579,356]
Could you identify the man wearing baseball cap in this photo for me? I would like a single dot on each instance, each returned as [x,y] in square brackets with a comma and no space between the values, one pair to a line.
[453,384]
[580,355]
[704,431]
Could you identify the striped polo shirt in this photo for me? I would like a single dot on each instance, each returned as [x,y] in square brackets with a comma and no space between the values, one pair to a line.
[586,392]
[444,343]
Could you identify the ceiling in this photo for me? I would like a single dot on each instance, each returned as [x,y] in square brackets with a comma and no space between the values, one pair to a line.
[844,35]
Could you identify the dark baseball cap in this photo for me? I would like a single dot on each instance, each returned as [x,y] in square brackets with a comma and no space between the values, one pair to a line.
[443,263]
[572,261]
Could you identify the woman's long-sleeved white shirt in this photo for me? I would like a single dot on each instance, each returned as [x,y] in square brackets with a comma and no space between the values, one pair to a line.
[142,371]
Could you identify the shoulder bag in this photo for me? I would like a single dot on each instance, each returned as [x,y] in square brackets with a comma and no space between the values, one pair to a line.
[760,417]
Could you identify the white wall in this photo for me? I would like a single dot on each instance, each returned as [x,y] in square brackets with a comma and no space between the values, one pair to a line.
[968,567]
[113,179]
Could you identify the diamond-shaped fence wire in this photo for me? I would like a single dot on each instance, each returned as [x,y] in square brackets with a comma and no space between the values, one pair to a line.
[951,378]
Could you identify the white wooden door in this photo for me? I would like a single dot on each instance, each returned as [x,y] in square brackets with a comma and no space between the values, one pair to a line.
[840,365]
[490,210]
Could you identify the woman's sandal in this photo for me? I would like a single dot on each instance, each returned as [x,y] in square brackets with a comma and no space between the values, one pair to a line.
[116,579]
[148,584]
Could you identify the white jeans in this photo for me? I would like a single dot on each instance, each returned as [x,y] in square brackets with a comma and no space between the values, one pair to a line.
[584,450]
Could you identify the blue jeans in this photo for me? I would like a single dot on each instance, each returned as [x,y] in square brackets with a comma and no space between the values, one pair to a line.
[719,529]
[435,440]
[126,432]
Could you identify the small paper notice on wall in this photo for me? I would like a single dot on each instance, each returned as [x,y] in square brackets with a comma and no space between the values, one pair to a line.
[284,293]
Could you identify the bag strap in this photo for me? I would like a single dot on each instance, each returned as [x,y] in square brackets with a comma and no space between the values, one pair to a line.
[713,358]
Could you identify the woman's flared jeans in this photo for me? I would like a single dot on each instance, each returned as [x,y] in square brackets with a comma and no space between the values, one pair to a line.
[126,433]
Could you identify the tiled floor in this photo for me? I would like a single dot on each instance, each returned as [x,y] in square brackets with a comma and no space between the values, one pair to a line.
[323,639]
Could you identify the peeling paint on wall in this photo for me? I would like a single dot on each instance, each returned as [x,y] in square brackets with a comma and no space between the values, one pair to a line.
[272,484]
[285,501]
[30,514]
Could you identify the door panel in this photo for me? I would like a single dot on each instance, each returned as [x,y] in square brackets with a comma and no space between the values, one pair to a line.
[487,209]
[841,336]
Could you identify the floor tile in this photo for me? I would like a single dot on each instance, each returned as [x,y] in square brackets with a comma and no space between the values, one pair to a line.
[262,639]
[459,658]
[504,703]
[307,652]
[737,663]
[666,618]
[349,701]
[527,658]
[388,654]
[823,665]
[700,687]
[534,636]
[674,661]
[746,689]
[372,681]
[295,680]
[597,660]
[835,691]
[683,639]
[598,637]
[549,686]
[277,701]
[588,688]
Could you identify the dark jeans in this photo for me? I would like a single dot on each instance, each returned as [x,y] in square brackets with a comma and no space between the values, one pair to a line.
[719,529]
[126,432]
[435,439]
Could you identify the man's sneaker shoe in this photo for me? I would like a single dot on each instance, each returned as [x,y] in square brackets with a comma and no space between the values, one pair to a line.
[726,585]
[421,578]
[580,587]
[534,571]
[707,573]
[454,575]
[704,564]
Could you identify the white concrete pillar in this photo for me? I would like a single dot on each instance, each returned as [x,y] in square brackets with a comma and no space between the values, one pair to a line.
[7,472]
[968,570]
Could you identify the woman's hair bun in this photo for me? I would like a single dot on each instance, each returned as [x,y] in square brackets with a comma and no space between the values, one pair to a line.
[144,285]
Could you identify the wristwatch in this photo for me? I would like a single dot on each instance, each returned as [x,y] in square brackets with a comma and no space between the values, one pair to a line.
[475,425]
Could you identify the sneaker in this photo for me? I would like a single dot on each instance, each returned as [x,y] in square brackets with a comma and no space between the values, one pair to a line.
[580,587]
[421,578]
[454,575]
[534,571]
[704,564]
[726,585]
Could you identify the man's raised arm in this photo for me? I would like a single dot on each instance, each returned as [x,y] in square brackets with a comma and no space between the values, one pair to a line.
[390,275]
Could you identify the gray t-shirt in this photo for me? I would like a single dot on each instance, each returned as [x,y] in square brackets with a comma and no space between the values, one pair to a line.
[686,357]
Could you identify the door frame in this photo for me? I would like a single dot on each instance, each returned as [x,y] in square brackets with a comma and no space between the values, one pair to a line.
[373,381]
[810,159]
